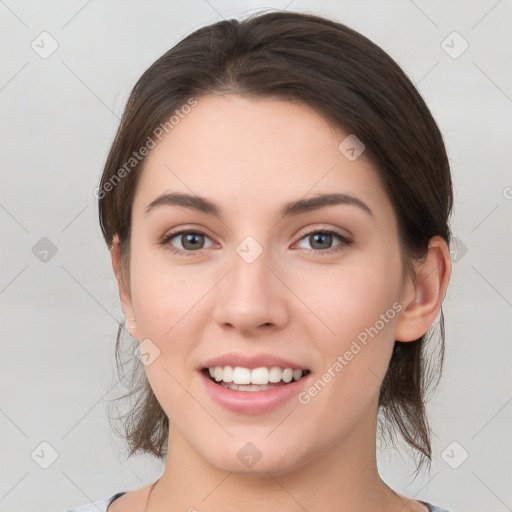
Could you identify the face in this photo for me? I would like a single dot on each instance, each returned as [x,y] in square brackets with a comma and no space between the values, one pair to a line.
[237,281]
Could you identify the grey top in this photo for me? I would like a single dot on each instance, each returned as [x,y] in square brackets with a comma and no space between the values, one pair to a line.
[102,505]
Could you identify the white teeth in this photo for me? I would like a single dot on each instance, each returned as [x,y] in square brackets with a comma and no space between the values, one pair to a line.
[240,375]
[259,377]
[242,387]
[227,375]
[275,374]
[288,375]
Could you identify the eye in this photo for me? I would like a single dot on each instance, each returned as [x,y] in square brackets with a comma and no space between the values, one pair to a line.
[321,241]
[188,242]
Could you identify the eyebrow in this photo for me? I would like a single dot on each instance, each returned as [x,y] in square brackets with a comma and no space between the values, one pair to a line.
[204,205]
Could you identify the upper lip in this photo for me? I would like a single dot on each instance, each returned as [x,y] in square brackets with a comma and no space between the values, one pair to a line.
[251,361]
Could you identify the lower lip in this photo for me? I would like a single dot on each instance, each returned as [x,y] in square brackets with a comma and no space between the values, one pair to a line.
[252,402]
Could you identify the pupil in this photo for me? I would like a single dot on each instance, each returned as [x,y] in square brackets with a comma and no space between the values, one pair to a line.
[323,237]
[192,239]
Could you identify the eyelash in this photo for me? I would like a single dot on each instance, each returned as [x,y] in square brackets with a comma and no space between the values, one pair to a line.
[343,239]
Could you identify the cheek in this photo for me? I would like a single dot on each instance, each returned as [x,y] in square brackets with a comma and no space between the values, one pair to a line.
[165,301]
[351,298]
[358,307]
[163,294]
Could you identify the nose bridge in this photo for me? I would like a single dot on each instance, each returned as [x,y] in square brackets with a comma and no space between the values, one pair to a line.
[250,266]
[251,295]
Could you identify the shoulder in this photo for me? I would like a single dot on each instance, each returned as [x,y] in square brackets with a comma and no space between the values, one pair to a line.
[97,506]
[434,508]
[120,502]
[132,501]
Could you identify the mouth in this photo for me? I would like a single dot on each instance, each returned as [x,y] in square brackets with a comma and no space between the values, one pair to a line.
[238,378]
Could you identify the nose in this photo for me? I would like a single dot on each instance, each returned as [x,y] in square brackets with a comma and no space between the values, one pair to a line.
[251,298]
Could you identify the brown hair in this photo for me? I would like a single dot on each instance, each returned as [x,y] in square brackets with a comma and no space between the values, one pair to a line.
[350,81]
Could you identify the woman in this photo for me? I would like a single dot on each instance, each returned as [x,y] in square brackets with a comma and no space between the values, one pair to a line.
[276,202]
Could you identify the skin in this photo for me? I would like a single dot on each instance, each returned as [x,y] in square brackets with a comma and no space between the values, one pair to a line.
[250,156]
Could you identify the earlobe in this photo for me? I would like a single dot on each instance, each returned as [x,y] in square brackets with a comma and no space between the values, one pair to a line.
[422,299]
[124,292]
[132,327]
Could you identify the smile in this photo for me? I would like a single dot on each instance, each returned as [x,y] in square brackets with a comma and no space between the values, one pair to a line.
[258,379]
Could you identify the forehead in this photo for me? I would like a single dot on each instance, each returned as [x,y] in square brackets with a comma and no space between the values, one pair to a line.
[248,152]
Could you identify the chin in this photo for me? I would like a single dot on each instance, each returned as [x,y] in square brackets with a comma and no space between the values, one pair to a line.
[248,460]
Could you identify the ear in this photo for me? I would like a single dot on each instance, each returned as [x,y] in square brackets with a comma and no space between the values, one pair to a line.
[422,299]
[124,289]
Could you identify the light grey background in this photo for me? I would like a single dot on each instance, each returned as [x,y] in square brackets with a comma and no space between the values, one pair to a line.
[58,317]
